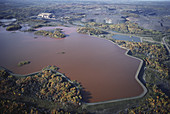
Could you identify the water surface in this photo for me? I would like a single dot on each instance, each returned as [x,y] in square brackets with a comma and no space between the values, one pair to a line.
[101,66]
[7,20]
[126,38]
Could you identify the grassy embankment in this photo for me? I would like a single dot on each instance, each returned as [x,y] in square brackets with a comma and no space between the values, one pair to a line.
[129,28]
[47,91]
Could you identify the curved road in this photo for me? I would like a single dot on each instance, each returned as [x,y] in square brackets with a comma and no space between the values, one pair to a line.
[166,45]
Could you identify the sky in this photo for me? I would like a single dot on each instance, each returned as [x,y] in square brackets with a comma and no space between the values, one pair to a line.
[139,0]
[152,0]
[90,0]
[122,0]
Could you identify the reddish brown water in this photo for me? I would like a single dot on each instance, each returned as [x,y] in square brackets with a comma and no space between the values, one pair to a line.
[101,66]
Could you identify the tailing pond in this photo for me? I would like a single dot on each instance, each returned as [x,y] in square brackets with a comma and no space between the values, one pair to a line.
[101,66]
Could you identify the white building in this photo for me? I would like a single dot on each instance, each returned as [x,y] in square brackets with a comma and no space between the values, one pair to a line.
[46,15]
[109,21]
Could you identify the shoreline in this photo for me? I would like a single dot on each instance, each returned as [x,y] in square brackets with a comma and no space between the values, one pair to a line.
[138,77]
[34,73]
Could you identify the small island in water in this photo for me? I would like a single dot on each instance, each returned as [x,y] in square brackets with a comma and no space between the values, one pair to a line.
[56,33]
[13,27]
[21,63]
